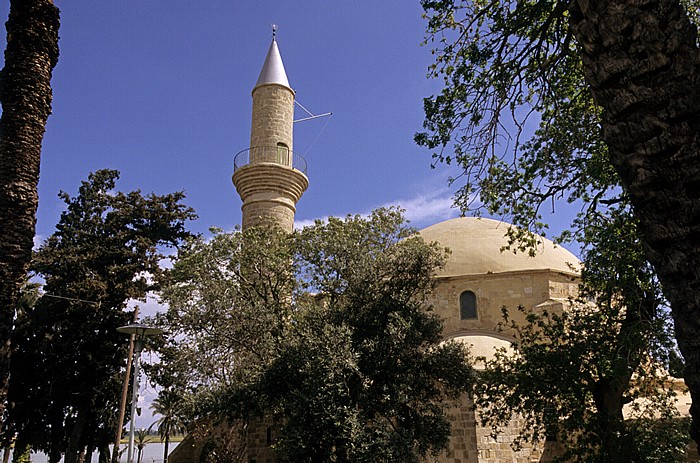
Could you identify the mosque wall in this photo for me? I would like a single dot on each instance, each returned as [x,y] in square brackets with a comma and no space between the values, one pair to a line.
[463,440]
[261,436]
[495,291]
[499,449]
[472,443]
[535,290]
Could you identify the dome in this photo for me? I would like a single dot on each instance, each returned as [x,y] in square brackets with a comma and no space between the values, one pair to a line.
[484,346]
[476,249]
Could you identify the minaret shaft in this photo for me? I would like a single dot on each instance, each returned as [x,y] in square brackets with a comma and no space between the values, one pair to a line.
[272,126]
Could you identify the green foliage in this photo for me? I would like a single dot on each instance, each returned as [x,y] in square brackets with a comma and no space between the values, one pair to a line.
[515,112]
[68,359]
[22,454]
[567,385]
[170,408]
[169,405]
[210,341]
[575,371]
[140,440]
[326,329]
[515,109]
[361,379]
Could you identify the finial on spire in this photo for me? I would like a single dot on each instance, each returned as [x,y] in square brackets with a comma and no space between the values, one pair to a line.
[274,30]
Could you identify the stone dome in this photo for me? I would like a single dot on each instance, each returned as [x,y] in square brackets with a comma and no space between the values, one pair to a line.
[484,346]
[476,249]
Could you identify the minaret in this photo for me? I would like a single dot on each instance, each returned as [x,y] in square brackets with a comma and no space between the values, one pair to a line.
[269,177]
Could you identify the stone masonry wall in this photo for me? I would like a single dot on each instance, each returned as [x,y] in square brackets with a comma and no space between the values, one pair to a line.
[494,291]
[257,212]
[463,441]
[272,119]
[269,191]
[534,290]
[261,436]
[499,449]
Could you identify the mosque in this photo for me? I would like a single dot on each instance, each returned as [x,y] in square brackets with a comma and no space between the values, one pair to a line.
[477,281]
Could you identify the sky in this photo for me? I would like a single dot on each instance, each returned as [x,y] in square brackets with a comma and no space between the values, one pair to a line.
[161,91]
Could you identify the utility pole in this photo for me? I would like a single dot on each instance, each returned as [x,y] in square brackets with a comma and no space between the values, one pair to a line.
[125,393]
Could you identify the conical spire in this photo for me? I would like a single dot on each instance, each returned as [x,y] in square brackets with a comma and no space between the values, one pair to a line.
[273,69]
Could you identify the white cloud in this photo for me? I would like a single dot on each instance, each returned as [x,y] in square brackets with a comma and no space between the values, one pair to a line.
[422,210]
[148,308]
[427,209]
[299,224]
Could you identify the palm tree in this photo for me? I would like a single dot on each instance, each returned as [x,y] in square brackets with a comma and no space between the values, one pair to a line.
[140,438]
[25,94]
[169,406]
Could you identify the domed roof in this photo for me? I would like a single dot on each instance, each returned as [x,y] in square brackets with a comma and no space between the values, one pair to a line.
[476,249]
[484,346]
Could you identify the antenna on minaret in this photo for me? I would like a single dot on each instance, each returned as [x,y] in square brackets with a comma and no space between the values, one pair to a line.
[311,115]
[274,30]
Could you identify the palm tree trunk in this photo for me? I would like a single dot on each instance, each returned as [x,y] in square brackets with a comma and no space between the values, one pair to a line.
[642,64]
[25,94]
[165,448]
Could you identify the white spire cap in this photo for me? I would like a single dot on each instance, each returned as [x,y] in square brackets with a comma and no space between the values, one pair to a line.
[273,69]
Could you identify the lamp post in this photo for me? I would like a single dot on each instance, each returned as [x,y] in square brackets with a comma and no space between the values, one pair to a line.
[140,331]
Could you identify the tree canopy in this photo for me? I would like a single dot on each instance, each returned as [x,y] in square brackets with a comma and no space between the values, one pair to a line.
[593,379]
[68,357]
[594,104]
[326,329]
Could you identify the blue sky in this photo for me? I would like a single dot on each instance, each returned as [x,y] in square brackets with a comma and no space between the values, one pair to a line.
[161,91]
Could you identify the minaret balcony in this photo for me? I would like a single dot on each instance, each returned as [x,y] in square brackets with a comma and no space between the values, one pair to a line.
[270,154]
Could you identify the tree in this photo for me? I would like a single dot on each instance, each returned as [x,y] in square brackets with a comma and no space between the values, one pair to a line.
[106,250]
[21,450]
[612,89]
[575,371]
[169,406]
[344,350]
[25,94]
[141,439]
[226,301]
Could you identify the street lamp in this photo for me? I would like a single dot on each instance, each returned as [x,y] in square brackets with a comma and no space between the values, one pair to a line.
[140,332]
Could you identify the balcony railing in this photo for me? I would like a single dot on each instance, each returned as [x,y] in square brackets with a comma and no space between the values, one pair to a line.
[275,154]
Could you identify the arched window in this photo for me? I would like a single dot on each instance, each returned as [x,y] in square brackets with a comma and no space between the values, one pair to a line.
[283,154]
[467,305]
